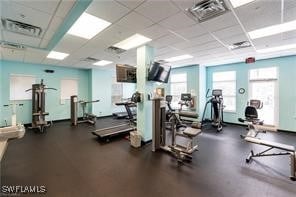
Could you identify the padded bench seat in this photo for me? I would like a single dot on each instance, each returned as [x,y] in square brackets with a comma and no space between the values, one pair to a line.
[188,114]
[191,132]
[271,144]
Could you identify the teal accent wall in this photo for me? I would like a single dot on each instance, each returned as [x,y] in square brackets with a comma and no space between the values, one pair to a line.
[56,110]
[287,91]
[193,77]
[101,89]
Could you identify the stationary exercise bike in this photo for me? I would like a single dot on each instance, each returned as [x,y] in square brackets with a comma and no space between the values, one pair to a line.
[251,117]
[216,103]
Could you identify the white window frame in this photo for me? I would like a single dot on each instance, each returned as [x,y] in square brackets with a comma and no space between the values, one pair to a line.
[276,98]
[19,93]
[184,81]
[223,93]
[63,96]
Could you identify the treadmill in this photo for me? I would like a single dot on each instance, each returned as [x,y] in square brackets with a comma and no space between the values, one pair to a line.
[121,129]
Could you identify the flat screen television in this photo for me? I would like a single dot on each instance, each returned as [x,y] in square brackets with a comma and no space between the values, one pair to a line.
[159,72]
[126,73]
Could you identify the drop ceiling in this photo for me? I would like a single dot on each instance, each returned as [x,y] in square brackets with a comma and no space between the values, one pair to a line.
[172,31]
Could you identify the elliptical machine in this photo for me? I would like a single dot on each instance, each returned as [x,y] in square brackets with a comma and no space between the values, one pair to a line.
[38,107]
[170,113]
[216,102]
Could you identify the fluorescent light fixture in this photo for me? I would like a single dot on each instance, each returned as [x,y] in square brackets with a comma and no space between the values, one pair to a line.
[132,42]
[272,30]
[178,58]
[238,3]
[102,63]
[57,55]
[87,26]
[279,48]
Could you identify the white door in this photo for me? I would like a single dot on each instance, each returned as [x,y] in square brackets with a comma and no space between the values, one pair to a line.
[266,91]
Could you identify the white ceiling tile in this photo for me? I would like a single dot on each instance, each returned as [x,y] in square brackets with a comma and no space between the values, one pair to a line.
[135,22]
[228,32]
[184,4]
[43,44]
[262,21]
[157,10]
[203,47]
[69,43]
[202,39]
[44,6]
[112,35]
[34,55]
[11,54]
[109,10]
[290,14]
[166,40]
[64,7]
[289,35]
[177,21]
[192,31]
[21,39]
[154,32]
[31,16]
[132,4]
[48,61]
[220,22]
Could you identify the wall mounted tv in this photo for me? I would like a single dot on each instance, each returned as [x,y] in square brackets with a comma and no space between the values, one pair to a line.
[159,72]
[126,73]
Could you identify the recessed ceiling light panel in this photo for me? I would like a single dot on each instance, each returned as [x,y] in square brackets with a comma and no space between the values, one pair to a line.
[57,55]
[178,58]
[238,3]
[102,63]
[132,42]
[87,26]
[272,30]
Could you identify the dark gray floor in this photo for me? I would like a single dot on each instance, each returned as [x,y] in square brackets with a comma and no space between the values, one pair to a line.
[70,162]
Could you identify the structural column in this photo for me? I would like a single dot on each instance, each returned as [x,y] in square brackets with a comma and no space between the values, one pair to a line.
[145,55]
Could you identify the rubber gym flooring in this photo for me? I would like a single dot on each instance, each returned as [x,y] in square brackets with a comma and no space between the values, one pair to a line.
[70,161]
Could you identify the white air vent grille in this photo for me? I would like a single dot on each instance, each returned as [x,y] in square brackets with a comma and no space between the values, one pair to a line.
[21,28]
[114,50]
[207,9]
[240,45]
[12,46]
[90,59]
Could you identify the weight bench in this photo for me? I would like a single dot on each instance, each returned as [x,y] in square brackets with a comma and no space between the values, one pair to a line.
[288,150]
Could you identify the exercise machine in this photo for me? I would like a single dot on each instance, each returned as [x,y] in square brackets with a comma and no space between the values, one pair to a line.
[216,103]
[125,114]
[251,117]
[159,135]
[121,129]
[38,106]
[187,115]
[254,127]
[171,112]
[86,117]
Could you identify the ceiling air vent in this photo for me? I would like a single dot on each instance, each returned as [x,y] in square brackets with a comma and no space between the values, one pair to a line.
[114,50]
[90,59]
[207,9]
[21,28]
[12,46]
[240,45]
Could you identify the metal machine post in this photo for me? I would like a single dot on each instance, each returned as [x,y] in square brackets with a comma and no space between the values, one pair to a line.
[74,110]
[158,124]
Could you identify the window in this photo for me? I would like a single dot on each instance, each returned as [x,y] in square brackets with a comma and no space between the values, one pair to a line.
[117,91]
[69,87]
[178,86]
[263,85]
[18,86]
[226,81]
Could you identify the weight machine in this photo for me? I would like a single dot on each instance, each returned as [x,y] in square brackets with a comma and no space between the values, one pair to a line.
[38,107]
[87,117]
